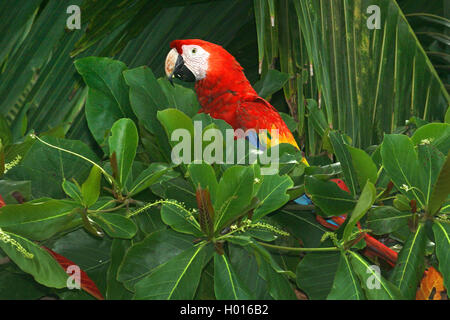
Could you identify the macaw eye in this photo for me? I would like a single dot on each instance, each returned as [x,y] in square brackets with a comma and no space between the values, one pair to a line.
[194,50]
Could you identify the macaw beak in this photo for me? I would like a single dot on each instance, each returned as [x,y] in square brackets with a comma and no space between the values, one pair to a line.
[175,68]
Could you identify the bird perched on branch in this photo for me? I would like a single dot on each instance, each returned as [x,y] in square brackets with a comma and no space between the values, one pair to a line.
[223,89]
[225,93]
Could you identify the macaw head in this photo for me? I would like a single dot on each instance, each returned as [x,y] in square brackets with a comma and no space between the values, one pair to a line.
[195,60]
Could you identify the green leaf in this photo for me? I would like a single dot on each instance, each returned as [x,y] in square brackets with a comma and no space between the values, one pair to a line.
[246,268]
[436,134]
[364,166]
[180,219]
[227,285]
[91,254]
[155,173]
[203,175]
[40,220]
[123,142]
[146,96]
[344,156]
[401,163]
[346,285]
[410,264]
[179,97]
[441,232]
[441,189]
[90,189]
[41,266]
[373,283]
[431,160]
[107,99]
[386,219]
[19,286]
[364,203]
[302,226]
[10,189]
[176,121]
[272,194]
[176,279]
[331,199]
[156,249]
[234,194]
[115,290]
[316,273]
[272,82]
[317,117]
[276,278]
[73,191]
[47,167]
[115,225]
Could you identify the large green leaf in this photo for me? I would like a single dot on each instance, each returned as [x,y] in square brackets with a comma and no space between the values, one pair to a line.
[366,90]
[364,166]
[123,142]
[40,220]
[441,189]
[276,278]
[401,163]
[441,232]
[180,219]
[316,273]
[147,98]
[364,203]
[343,155]
[10,190]
[155,249]
[115,290]
[91,254]
[107,99]
[234,194]
[375,286]
[90,189]
[156,172]
[40,265]
[47,167]
[203,176]
[272,194]
[436,134]
[176,279]
[331,199]
[245,266]
[386,219]
[410,264]
[115,225]
[227,285]
[346,285]
[301,225]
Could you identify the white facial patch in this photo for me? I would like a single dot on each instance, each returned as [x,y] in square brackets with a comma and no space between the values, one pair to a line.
[196,59]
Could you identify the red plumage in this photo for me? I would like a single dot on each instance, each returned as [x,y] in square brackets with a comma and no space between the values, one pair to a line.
[225,93]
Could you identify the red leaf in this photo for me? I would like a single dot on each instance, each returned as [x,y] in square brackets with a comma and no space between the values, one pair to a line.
[86,283]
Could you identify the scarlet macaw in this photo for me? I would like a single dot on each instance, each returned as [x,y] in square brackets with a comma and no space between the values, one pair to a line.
[225,93]
[223,90]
